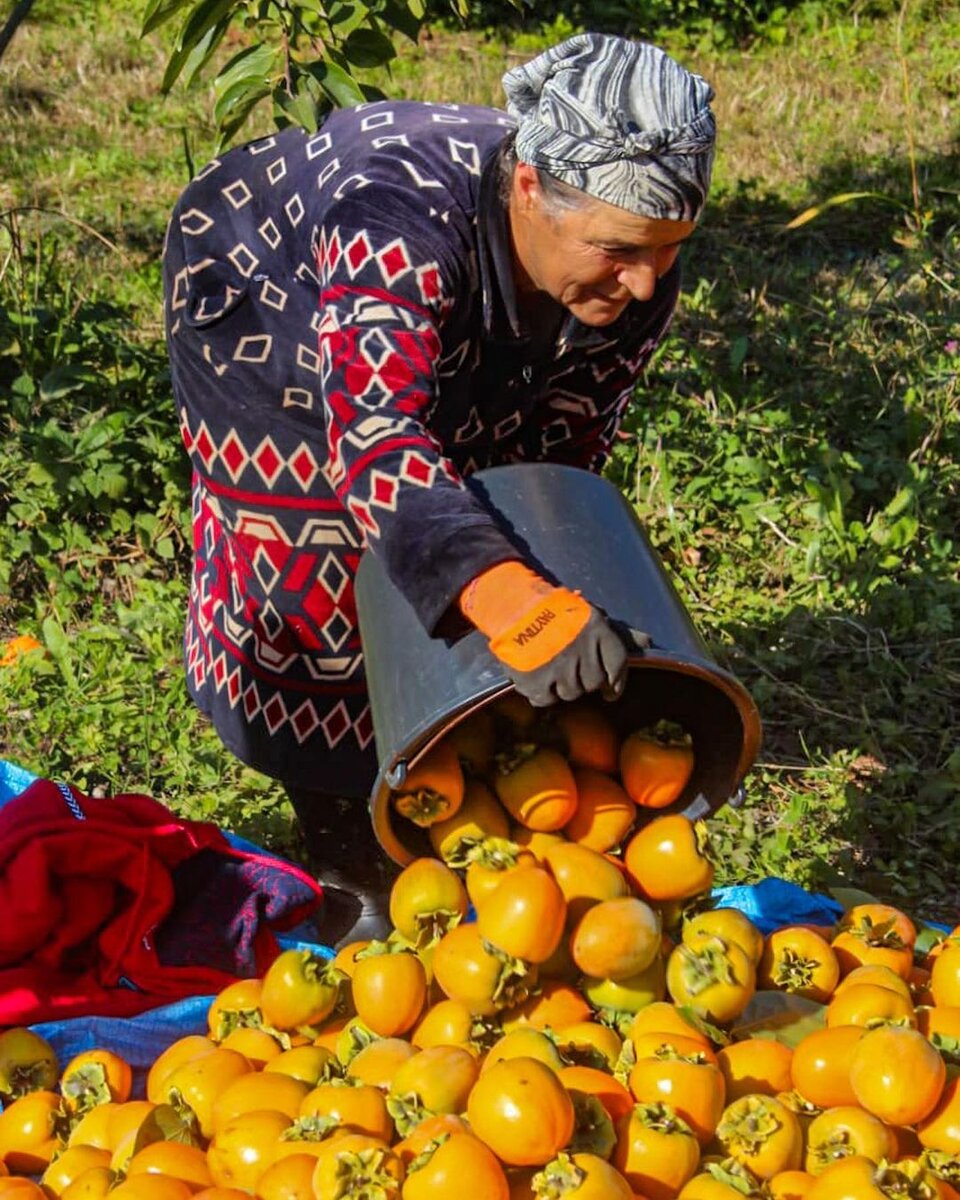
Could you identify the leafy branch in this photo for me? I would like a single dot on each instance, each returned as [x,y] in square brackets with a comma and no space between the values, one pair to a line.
[301,55]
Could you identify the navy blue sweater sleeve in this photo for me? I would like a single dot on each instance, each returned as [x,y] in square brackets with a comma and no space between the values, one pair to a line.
[384,296]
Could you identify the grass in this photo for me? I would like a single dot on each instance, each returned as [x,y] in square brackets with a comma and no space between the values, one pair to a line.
[794,453]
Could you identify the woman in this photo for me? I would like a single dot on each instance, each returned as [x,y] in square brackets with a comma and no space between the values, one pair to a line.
[358,319]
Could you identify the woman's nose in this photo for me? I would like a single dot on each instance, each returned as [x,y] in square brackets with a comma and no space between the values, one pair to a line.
[639,278]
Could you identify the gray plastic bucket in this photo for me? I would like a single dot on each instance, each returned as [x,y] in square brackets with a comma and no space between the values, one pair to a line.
[581,531]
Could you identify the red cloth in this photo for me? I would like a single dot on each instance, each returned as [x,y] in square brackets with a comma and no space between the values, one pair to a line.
[115,906]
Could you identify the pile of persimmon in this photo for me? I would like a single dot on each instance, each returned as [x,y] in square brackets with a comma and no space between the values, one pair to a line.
[591,1035]
[563,770]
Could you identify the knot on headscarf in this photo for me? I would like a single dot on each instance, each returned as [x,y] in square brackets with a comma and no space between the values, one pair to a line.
[620,120]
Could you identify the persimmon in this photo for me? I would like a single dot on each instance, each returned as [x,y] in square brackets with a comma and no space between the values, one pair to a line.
[789,1185]
[755,1066]
[592,1081]
[461,1167]
[174,1160]
[94,1076]
[300,987]
[433,788]
[877,921]
[667,859]
[256,1045]
[69,1165]
[446,1023]
[95,1183]
[716,979]
[851,1178]
[522,1111]
[553,1005]
[199,1081]
[656,1151]
[537,842]
[656,764]
[535,784]
[490,862]
[728,924]
[799,961]
[844,1131]
[29,1135]
[590,738]
[940,1128]
[761,1134]
[524,1041]
[358,1165]
[585,877]
[875,934]
[821,1063]
[28,1063]
[349,1105]
[662,1016]
[474,740]
[430,1129]
[869,1004]
[525,916]
[289,1178]
[691,1084]
[876,974]
[309,1064]
[616,939]
[897,1075]
[940,1025]
[238,1004]
[378,1062]
[389,990]
[945,977]
[468,969]
[656,1045]
[627,995]
[427,898]
[433,1081]
[589,1044]
[480,816]
[604,812]
[258,1090]
[581,1177]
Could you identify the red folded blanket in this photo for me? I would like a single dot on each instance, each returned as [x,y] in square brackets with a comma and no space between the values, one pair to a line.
[115,906]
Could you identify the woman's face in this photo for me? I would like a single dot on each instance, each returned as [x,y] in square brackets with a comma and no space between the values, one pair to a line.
[594,259]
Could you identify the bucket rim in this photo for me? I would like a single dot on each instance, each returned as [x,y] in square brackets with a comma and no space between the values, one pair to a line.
[425,740]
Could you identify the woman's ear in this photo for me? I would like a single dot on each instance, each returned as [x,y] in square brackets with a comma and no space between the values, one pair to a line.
[526,186]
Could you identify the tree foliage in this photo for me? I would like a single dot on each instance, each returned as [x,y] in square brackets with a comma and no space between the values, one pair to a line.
[303,56]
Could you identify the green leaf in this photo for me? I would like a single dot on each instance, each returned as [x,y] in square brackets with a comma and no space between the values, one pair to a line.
[67,378]
[341,87]
[303,109]
[203,51]
[205,17]
[239,113]
[252,64]
[159,11]
[368,48]
[405,18]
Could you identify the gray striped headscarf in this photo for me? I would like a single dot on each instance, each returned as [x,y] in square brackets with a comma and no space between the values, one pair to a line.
[619,120]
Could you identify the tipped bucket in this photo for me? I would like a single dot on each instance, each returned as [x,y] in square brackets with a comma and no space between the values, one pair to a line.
[575,527]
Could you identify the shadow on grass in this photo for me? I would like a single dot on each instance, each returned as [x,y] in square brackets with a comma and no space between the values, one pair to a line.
[843,329]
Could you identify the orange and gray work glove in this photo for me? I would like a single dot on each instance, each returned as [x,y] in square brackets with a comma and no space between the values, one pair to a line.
[553,643]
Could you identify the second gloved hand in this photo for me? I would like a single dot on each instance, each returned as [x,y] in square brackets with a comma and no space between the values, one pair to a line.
[554,644]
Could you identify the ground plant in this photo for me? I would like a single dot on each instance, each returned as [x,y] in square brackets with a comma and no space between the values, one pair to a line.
[793,452]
